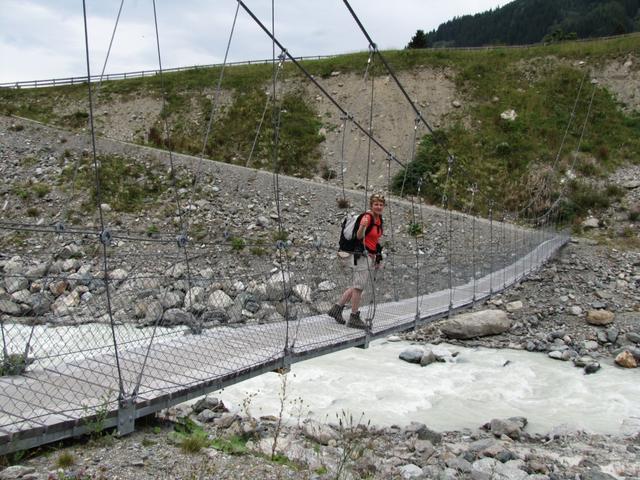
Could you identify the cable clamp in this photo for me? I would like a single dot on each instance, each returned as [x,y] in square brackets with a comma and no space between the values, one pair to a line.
[58,227]
[182,240]
[105,237]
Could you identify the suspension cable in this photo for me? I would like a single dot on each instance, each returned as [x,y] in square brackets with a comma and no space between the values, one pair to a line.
[212,112]
[99,205]
[366,183]
[182,239]
[106,59]
[312,79]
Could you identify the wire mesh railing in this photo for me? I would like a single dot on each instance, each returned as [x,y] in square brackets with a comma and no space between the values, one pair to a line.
[69,350]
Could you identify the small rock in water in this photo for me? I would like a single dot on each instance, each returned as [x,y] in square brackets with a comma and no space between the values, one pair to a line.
[591,368]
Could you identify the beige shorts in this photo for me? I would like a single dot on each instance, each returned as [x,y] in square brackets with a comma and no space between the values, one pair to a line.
[360,273]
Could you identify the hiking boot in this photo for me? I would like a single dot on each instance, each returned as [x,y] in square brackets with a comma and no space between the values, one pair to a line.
[356,322]
[336,313]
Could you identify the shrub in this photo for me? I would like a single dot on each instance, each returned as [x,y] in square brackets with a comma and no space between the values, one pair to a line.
[343,203]
[194,442]
[65,460]
[237,244]
[634,215]
[14,364]
[414,229]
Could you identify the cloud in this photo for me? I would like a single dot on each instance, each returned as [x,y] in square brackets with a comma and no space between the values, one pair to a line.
[41,40]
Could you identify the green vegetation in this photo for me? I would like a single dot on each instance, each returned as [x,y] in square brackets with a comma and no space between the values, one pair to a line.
[414,229]
[65,460]
[515,161]
[237,244]
[13,364]
[192,438]
[234,445]
[125,184]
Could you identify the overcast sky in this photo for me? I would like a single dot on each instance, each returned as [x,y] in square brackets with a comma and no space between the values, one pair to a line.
[43,39]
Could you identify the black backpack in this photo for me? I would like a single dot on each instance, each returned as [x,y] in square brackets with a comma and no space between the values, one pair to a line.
[349,242]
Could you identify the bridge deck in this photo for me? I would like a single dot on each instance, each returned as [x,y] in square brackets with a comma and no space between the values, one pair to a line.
[65,399]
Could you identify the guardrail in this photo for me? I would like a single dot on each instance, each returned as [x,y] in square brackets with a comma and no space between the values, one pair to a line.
[54,82]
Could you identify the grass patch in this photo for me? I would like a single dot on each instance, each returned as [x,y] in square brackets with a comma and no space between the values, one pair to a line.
[65,460]
[234,445]
[194,442]
[125,184]
[13,364]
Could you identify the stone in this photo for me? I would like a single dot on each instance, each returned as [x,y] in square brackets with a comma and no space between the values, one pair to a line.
[575,310]
[14,284]
[509,115]
[626,360]
[491,469]
[412,355]
[319,432]
[209,402]
[9,307]
[219,299]
[476,324]
[591,222]
[225,420]
[423,432]
[326,286]
[303,292]
[593,474]
[15,472]
[633,337]
[511,427]
[171,299]
[206,416]
[410,471]
[600,317]
[118,275]
[427,359]
[279,286]
[195,296]
[514,306]
[176,316]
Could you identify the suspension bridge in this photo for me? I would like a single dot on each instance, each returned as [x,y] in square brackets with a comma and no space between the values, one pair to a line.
[104,324]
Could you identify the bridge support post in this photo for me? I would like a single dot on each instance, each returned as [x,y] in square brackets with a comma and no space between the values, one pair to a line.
[286,363]
[126,416]
[367,334]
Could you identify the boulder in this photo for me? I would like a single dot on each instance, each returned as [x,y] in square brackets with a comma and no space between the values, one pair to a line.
[279,286]
[476,324]
[591,222]
[303,292]
[15,471]
[412,355]
[319,432]
[600,317]
[511,427]
[219,299]
[625,359]
[514,306]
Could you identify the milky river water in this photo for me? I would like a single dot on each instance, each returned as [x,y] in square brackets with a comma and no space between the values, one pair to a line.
[482,384]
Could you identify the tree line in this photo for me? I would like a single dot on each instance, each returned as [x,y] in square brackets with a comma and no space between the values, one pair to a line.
[531,21]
